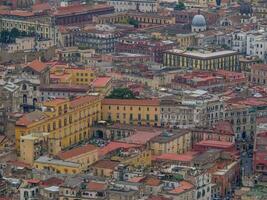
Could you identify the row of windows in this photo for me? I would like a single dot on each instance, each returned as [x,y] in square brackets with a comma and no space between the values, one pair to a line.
[131,108]
[139,116]
[85,74]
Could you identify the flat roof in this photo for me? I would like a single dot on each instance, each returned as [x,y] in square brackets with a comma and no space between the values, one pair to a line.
[204,54]
[52,189]
[47,160]
[34,136]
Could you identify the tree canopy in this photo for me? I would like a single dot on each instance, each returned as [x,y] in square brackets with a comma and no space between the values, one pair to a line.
[179,6]
[10,36]
[133,22]
[121,93]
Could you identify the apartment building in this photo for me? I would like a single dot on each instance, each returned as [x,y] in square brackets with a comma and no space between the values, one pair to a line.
[138,5]
[67,121]
[203,60]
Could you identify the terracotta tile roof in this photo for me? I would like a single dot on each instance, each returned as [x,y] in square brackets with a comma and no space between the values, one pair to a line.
[53,181]
[261,120]
[76,9]
[224,128]
[183,187]
[131,102]
[37,65]
[35,181]
[106,164]
[136,179]
[5,198]
[82,100]
[158,198]
[101,82]
[262,67]
[186,157]
[41,7]
[32,117]
[64,155]
[19,13]
[152,181]
[94,186]
[19,164]
[141,137]
[112,146]
[55,102]
[213,143]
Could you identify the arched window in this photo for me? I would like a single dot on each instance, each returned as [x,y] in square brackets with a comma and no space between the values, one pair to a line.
[24,99]
[24,87]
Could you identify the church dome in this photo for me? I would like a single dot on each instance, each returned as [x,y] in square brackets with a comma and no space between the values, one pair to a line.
[199,21]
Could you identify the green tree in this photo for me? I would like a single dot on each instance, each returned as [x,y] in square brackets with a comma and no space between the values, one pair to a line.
[179,6]
[121,93]
[31,30]
[14,33]
[134,22]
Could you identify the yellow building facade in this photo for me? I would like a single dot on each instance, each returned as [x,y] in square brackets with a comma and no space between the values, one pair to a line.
[178,143]
[15,20]
[142,158]
[131,111]
[104,168]
[84,155]
[75,76]
[57,166]
[67,121]
[200,60]
[32,146]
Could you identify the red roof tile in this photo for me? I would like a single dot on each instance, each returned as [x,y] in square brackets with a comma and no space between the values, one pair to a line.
[53,181]
[141,137]
[106,164]
[101,82]
[213,143]
[64,155]
[136,179]
[158,198]
[37,65]
[112,146]
[35,181]
[183,187]
[131,102]
[19,164]
[82,100]
[75,9]
[186,157]
[41,7]
[19,13]
[224,127]
[152,181]
[5,198]
[55,102]
[29,118]
[262,67]
[94,186]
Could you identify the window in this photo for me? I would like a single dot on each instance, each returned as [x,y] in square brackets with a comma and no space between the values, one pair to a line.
[24,87]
